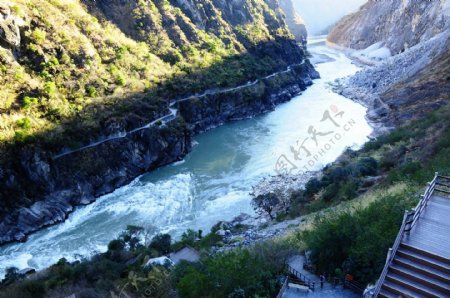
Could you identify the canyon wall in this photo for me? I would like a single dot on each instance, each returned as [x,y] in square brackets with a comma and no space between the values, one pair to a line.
[398,24]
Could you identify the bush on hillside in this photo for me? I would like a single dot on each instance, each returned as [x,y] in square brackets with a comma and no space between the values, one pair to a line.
[357,242]
[161,243]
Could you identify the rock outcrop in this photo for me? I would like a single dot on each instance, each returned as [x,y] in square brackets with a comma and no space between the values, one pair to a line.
[415,80]
[405,86]
[49,188]
[398,24]
[9,28]
[58,185]
[252,99]
[294,22]
[77,75]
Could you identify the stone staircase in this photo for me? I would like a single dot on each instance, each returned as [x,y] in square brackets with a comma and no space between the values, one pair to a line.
[417,273]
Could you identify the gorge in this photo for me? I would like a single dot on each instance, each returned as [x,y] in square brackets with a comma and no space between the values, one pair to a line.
[41,183]
[133,132]
[211,183]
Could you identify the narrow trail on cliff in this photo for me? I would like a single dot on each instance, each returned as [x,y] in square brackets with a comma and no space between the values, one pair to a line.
[173,112]
[213,182]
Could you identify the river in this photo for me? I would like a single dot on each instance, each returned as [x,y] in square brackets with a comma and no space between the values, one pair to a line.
[213,182]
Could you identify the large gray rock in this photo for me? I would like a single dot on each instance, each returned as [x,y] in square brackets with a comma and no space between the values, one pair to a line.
[399,24]
[294,22]
[9,28]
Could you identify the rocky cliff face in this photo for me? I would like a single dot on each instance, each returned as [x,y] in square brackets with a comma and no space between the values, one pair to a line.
[294,22]
[9,28]
[70,68]
[399,24]
[415,80]
[405,86]
[252,99]
[48,188]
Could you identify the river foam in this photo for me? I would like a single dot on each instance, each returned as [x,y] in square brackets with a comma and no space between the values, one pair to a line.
[213,182]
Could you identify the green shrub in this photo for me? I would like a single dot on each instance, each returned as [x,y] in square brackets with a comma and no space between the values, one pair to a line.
[115,245]
[357,242]
[32,288]
[38,36]
[24,123]
[348,189]
[120,80]
[29,102]
[11,275]
[367,166]
[91,91]
[224,274]
[161,243]
[50,89]
[331,191]
[53,62]
[21,136]
[266,203]
[312,187]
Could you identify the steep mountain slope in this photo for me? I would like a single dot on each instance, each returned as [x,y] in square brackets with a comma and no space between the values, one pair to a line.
[405,86]
[85,82]
[65,57]
[294,22]
[416,79]
[399,24]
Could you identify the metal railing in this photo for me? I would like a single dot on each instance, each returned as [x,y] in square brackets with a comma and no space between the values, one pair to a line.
[391,254]
[305,281]
[415,214]
[283,288]
[353,285]
[446,185]
[409,220]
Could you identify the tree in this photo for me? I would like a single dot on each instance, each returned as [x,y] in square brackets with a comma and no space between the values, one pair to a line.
[12,275]
[189,237]
[356,241]
[232,274]
[161,243]
[149,230]
[266,203]
[132,236]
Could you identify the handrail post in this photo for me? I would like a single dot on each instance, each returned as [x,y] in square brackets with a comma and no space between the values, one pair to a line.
[409,222]
[388,257]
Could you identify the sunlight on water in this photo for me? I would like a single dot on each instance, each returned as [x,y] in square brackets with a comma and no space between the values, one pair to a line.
[214,180]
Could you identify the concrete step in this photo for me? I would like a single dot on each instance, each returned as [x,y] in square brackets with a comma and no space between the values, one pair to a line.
[420,278]
[425,253]
[399,291]
[384,293]
[412,286]
[423,259]
[423,269]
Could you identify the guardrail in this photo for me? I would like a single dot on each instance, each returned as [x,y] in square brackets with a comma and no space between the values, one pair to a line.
[415,214]
[391,254]
[409,220]
[447,191]
[353,285]
[283,288]
[310,284]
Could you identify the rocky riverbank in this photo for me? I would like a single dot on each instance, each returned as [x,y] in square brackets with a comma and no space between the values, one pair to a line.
[402,87]
[246,230]
[51,188]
